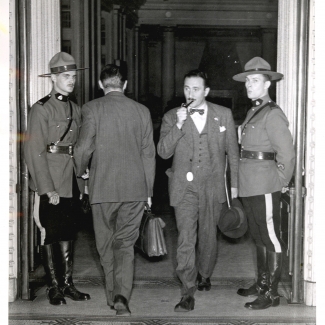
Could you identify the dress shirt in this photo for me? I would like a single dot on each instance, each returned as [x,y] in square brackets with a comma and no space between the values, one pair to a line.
[200,120]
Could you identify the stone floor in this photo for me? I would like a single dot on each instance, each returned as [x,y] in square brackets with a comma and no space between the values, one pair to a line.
[156,290]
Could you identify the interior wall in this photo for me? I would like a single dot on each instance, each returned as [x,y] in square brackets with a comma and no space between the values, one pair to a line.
[220,57]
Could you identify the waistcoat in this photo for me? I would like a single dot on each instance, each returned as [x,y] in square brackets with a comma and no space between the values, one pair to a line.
[201,157]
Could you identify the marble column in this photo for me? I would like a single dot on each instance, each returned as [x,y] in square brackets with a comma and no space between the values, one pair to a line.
[287,60]
[13,153]
[39,40]
[168,66]
[315,134]
[45,41]
[143,67]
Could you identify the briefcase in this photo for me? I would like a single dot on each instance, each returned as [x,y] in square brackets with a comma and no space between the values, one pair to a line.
[151,239]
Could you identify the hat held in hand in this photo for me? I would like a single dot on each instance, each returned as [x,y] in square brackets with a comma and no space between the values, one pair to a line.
[257,65]
[232,221]
[62,62]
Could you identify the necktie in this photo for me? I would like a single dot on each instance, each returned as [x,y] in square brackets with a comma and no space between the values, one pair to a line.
[193,110]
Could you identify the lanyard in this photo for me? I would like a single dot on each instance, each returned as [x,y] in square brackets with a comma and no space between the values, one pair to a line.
[68,127]
[261,108]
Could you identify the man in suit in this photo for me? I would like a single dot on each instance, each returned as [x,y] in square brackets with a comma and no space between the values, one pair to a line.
[266,165]
[52,131]
[198,137]
[117,136]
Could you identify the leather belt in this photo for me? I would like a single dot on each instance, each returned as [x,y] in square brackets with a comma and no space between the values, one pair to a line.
[52,148]
[257,155]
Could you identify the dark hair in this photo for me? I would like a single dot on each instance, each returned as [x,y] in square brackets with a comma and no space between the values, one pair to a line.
[198,73]
[113,76]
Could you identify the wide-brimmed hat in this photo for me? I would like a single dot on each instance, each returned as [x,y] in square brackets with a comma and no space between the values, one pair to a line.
[62,62]
[257,65]
[232,221]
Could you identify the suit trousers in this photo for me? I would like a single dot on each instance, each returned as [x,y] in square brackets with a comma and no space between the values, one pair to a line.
[116,226]
[263,214]
[196,216]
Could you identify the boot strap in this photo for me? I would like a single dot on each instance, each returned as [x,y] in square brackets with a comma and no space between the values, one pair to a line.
[261,290]
[271,295]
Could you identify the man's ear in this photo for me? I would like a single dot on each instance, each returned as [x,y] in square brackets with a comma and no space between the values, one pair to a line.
[53,77]
[267,84]
[206,91]
[125,84]
[100,84]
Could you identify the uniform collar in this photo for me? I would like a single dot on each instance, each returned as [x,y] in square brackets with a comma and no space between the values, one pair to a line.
[61,97]
[258,102]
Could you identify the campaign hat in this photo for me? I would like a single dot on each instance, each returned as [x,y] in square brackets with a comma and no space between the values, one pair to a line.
[257,65]
[233,221]
[62,62]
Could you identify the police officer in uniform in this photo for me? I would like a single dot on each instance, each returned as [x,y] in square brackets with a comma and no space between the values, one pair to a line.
[266,165]
[53,128]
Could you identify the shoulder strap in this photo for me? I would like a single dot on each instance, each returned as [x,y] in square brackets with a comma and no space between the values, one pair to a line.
[44,99]
[258,111]
[68,127]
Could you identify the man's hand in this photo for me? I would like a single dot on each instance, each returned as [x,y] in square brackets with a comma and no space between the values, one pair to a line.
[54,197]
[181,116]
[149,202]
[234,192]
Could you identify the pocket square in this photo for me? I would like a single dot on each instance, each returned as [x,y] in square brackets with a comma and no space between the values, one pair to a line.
[222,128]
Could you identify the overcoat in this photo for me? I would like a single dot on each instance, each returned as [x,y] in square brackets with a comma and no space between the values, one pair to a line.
[266,132]
[178,143]
[47,122]
[116,141]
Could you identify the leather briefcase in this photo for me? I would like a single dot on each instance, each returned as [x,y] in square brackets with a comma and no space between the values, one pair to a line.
[151,239]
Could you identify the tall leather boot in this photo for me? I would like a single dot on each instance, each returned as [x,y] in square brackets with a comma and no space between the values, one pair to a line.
[260,287]
[49,261]
[271,297]
[68,288]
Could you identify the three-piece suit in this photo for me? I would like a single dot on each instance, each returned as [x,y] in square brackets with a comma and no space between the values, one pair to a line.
[198,201]
[116,143]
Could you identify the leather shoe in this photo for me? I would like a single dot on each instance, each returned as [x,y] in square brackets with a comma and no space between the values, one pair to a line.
[121,306]
[55,296]
[263,302]
[251,291]
[203,283]
[71,292]
[186,304]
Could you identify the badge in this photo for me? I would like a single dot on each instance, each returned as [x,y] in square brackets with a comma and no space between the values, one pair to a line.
[189,176]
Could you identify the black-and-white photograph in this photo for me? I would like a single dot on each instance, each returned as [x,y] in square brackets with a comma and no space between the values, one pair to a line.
[165,162]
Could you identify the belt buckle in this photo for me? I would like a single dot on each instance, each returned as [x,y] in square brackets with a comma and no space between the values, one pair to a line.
[50,148]
[70,150]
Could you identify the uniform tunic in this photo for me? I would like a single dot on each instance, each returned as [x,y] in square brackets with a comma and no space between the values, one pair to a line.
[261,181]
[267,132]
[47,122]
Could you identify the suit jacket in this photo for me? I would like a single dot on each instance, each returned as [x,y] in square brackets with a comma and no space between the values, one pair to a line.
[117,136]
[178,143]
[268,132]
[47,122]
